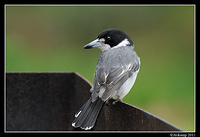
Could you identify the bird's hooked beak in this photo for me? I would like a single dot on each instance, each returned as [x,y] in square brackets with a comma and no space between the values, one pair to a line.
[93,44]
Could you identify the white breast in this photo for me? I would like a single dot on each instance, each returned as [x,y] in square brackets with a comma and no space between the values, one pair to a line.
[126,87]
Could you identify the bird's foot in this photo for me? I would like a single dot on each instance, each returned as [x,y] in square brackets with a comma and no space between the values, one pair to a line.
[114,102]
[107,102]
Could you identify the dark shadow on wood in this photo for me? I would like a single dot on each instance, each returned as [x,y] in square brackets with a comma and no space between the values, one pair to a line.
[48,102]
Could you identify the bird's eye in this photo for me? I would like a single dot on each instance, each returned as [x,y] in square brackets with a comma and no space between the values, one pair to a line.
[108,38]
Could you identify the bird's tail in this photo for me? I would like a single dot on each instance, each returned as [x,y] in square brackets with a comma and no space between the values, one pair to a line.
[86,117]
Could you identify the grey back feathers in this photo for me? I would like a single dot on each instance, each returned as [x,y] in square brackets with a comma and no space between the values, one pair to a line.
[113,69]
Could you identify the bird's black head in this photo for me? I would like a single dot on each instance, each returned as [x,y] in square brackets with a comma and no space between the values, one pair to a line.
[113,37]
[110,38]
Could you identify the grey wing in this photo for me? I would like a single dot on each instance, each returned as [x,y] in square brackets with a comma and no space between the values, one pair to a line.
[99,82]
[116,79]
[108,82]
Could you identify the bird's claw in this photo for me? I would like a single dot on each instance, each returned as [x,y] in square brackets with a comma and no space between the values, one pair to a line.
[114,102]
[107,103]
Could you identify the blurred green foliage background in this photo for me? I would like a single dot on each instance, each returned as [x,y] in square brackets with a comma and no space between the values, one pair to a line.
[50,39]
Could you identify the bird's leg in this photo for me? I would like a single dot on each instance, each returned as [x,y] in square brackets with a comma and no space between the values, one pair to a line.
[107,102]
[118,99]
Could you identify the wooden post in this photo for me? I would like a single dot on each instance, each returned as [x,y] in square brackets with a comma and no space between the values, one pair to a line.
[48,102]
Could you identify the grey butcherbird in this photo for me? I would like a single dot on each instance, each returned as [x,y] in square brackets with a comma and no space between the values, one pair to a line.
[116,72]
